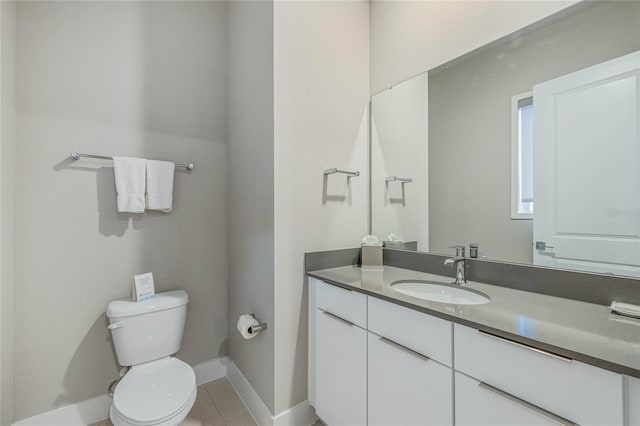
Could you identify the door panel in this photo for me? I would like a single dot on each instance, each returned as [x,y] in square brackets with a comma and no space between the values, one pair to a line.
[587,168]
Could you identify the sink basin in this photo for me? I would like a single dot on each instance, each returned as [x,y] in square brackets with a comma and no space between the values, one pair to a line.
[440,292]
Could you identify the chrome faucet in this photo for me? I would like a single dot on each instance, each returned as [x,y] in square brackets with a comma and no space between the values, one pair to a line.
[458,263]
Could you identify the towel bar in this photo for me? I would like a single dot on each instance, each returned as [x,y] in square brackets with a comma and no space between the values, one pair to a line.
[76,156]
[344,172]
[398,179]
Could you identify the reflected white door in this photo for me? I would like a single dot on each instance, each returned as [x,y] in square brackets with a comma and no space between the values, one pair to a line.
[587,169]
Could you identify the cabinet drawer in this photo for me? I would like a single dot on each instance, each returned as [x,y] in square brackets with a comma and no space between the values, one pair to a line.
[347,304]
[477,404]
[423,333]
[570,389]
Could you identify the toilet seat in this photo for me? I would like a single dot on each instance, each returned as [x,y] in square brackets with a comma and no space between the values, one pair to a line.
[159,392]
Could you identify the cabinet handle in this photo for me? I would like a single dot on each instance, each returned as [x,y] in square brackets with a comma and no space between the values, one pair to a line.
[337,317]
[527,405]
[403,348]
[522,345]
[337,286]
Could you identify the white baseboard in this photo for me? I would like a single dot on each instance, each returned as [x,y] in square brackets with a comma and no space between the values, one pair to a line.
[83,413]
[300,415]
[95,409]
[211,370]
[258,409]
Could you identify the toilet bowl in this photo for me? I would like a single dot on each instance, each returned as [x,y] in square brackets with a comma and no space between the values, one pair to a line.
[159,389]
[155,393]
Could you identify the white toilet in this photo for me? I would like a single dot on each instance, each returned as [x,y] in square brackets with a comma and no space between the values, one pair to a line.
[159,389]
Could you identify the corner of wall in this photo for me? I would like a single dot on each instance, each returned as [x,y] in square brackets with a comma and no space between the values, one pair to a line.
[7,157]
[321,116]
[251,167]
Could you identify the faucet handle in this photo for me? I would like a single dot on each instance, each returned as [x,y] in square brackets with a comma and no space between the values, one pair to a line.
[454,260]
[459,250]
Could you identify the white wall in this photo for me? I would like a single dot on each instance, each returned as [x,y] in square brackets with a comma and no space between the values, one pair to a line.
[321,96]
[7,158]
[399,147]
[410,37]
[130,78]
[251,246]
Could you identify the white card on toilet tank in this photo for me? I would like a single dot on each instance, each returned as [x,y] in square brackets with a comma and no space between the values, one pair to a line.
[144,288]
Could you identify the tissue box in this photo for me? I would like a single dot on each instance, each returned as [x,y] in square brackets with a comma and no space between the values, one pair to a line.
[371,256]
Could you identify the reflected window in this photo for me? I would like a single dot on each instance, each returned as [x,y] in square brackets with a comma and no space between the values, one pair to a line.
[522,157]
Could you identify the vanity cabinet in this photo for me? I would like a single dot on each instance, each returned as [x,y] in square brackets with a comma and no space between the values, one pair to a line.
[376,362]
[564,388]
[373,362]
[340,356]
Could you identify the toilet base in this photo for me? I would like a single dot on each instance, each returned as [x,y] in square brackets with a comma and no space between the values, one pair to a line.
[174,420]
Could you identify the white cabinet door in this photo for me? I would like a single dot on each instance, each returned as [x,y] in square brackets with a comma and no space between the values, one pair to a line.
[311,383]
[407,388]
[341,371]
[478,404]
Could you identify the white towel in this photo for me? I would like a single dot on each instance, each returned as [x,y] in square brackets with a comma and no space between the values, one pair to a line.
[130,176]
[160,185]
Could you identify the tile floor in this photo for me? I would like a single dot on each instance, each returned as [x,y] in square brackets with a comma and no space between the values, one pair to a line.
[217,404]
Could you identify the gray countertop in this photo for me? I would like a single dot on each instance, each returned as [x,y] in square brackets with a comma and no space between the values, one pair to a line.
[582,331]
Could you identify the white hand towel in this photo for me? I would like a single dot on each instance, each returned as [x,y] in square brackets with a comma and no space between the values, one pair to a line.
[130,174]
[160,185]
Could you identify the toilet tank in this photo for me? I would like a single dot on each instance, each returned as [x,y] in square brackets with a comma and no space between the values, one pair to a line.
[148,330]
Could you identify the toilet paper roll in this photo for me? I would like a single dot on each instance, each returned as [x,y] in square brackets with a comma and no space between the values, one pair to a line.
[244,322]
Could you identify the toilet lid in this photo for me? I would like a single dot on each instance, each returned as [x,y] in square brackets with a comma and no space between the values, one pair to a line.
[155,390]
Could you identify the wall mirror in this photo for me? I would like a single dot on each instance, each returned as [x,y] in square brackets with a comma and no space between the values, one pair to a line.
[528,146]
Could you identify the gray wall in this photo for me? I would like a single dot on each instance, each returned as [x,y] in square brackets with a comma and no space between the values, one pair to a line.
[280,100]
[130,78]
[7,158]
[251,167]
[469,123]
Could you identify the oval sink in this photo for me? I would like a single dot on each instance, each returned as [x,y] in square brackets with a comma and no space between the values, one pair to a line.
[440,292]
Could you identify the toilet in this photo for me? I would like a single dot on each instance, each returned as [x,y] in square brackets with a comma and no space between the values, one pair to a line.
[158,389]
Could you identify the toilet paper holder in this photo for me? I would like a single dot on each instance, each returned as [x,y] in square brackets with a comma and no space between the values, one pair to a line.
[262,326]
